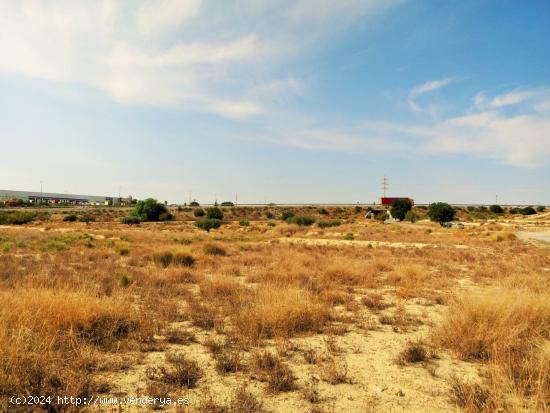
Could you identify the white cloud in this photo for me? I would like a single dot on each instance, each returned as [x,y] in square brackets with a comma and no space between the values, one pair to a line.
[522,140]
[163,16]
[218,57]
[424,88]
[511,98]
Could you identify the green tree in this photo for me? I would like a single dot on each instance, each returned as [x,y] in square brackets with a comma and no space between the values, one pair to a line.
[199,212]
[496,209]
[399,208]
[528,211]
[149,210]
[441,212]
[214,213]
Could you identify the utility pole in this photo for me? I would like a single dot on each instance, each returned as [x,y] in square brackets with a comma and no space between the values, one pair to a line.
[496,199]
[236,199]
[385,185]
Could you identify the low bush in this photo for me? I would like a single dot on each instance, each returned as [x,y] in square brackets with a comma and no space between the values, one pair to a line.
[70,218]
[528,211]
[278,376]
[303,220]
[166,216]
[17,217]
[541,208]
[164,259]
[286,215]
[182,371]
[130,220]
[496,209]
[207,224]
[415,352]
[411,216]
[183,259]
[199,212]
[244,223]
[86,218]
[214,249]
[328,224]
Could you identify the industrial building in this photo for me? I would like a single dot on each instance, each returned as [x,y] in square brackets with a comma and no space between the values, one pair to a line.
[64,199]
[388,201]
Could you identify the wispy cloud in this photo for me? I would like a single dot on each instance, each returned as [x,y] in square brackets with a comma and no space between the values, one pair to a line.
[424,88]
[193,54]
[511,98]
[521,139]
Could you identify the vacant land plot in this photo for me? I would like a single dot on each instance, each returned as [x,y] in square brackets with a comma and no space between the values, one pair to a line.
[259,316]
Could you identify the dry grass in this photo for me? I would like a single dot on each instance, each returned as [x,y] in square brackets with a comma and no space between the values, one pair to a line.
[181,371]
[81,305]
[510,330]
[271,369]
[275,311]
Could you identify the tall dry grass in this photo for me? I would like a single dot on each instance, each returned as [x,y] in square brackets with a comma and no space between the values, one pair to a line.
[510,331]
[48,338]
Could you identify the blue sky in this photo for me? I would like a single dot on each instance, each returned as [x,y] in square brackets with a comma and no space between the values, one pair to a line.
[279,101]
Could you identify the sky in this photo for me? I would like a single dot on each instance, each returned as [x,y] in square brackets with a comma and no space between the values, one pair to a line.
[305,101]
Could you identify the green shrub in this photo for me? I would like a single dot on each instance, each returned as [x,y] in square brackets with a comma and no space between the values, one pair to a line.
[399,208]
[207,224]
[194,204]
[149,210]
[323,211]
[471,208]
[269,215]
[17,217]
[166,216]
[56,245]
[7,246]
[528,211]
[214,213]
[441,212]
[496,209]
[86,218]
[357,209]
[411,216]
[199,212]
[244,222]
[130,220]
[302,220]
[349,237]
[70,218]
[287,215]
[515,210]
[327,224]
[541,208]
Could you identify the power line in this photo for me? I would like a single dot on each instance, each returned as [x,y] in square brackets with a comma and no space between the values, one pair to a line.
[385,185]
